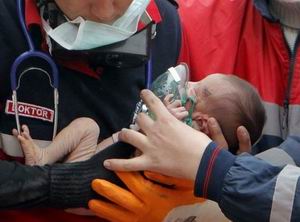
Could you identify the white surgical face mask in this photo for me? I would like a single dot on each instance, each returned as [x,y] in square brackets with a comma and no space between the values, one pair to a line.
[80,34]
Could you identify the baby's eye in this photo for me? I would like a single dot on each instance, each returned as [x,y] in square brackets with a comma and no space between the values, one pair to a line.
[206,92]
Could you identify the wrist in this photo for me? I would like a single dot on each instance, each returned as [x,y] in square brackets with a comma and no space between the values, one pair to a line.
[196,157]
[68,188]
[213,168]
[70,183]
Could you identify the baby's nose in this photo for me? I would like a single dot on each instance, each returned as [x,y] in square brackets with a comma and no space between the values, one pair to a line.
[190,89]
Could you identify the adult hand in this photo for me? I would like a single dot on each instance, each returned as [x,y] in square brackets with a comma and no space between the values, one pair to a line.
[217,136]
[168,146]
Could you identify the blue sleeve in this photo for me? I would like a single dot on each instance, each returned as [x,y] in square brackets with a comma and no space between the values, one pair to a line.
[286,153]
[243,186]
[292,147]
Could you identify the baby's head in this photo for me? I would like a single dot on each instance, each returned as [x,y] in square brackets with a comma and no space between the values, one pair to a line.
[232,101]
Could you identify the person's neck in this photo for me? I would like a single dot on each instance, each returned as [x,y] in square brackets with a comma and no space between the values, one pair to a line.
[287,11]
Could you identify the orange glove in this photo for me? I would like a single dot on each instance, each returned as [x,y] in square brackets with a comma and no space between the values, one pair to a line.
[148,202]
[170,181]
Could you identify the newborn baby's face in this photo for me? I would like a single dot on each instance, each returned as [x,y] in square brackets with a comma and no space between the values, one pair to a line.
[196,90]
[212,86]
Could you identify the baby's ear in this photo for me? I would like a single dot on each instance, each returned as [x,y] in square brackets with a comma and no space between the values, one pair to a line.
[200,122]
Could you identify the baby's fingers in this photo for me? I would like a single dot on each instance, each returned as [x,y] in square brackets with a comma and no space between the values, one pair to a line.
[180,113]
[174,104]
[168,99]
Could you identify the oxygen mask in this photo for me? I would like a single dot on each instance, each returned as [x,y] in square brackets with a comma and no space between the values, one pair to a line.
[174,81]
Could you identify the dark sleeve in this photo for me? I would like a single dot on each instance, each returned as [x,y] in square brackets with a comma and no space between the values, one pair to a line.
[292,146]
[22,185]
[247,188]
[286,153]
[60,185]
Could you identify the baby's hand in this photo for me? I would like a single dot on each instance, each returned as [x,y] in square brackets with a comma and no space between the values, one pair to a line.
[175,107]
[32,152]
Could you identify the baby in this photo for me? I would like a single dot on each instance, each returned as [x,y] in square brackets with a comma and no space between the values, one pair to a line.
[231,101]
[76,142]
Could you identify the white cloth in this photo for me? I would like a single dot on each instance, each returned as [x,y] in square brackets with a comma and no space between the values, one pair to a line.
[290,35]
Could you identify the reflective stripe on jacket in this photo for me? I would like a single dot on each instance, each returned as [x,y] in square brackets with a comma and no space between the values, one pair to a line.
[249,189]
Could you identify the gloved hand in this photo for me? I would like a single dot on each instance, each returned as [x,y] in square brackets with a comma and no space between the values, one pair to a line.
[144,202]
[70,184]
[180,184]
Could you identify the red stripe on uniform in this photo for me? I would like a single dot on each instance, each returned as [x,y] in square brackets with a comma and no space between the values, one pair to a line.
[209,170]
[32,16]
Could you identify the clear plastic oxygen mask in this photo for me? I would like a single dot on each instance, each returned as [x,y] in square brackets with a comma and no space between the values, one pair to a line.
[174,81]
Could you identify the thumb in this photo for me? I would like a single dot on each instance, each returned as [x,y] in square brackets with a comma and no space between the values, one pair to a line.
[244,140]
[216,133]
[135,164]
